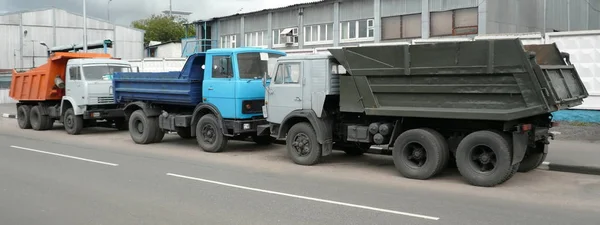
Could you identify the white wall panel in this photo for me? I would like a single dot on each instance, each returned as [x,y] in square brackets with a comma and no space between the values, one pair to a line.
[9,46]
[40,18]
[10,19]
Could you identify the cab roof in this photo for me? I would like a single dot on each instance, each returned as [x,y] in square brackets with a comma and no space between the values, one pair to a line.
[242,50]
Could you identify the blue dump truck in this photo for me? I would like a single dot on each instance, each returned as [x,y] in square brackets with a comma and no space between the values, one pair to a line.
[218,96]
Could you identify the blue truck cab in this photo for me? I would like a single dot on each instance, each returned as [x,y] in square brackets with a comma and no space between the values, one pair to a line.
[217,96]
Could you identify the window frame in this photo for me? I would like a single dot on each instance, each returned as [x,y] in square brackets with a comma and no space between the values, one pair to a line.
[261,43]
[277,33]
[78,76]
[309,29]
[370,30]
[216,62]
[228,41]
[454,27]
[284,83]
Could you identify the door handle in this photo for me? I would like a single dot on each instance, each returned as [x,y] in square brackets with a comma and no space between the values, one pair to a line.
[210,88]
[297,99]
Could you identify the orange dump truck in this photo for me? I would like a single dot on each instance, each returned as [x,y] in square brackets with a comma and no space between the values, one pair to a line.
[72,88]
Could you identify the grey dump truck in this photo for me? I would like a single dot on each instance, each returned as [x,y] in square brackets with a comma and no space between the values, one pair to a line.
[484,106]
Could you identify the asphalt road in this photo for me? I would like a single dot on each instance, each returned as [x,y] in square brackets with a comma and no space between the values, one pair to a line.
[101,177]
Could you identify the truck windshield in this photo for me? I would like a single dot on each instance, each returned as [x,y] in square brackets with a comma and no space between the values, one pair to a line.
[103,71]
[251,67]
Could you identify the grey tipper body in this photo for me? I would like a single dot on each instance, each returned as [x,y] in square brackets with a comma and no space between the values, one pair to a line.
[482,105]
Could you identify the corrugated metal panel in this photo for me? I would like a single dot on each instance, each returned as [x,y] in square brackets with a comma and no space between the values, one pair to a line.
[395,7]
[66,19]
[578,13]
[318,14]
[256,22]
[42,18]
[97,35]
[443,5]
[229,26]
[556,15]
[529,15]
[594,16]
[355,10]
[10,19]
[129,43]
[10,42]
[97,24]
[45,34]
[69,36]
[285,19]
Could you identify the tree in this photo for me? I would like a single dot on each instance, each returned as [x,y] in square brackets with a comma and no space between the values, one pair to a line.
[163,28]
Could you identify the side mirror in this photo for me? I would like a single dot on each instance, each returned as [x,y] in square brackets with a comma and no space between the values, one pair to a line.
[59,82]
[224,65]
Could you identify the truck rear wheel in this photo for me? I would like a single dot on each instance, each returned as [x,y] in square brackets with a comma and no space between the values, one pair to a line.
[484,158]
[141,128]
[209,136]
[23,112]
[534,157]
[39,121]
[73,123]
[302,144]
[420,153]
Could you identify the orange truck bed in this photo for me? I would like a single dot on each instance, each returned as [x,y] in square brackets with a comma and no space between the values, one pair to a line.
[37,84]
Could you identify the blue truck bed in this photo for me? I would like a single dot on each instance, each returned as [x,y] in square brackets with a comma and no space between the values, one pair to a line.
[163,87]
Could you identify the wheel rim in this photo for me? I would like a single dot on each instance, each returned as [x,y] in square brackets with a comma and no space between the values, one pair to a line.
[483,159]
[415,154]
[301,144]
[208,133]
[69,121]
[139,126]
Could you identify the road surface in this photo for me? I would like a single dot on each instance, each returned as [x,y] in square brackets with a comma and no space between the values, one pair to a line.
[102,177]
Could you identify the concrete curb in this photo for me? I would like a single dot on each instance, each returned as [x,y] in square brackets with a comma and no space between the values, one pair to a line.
[7,115]
[590,170]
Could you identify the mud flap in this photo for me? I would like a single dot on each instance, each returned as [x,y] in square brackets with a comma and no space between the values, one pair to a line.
[327,148]
[520,142]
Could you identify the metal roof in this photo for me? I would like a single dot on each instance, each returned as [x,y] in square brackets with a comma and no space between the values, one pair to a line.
[268,10]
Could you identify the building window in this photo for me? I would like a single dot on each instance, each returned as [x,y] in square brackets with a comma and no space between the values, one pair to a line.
[255,39]
[400,27]
[322,33]
[285,36]
[356,30]
[228,41]
[455,22]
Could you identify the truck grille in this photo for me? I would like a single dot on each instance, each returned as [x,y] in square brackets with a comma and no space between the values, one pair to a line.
[255,106]
[106,100]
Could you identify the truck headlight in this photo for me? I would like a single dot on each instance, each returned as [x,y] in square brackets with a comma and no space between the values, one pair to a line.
[246,126]
[96,114]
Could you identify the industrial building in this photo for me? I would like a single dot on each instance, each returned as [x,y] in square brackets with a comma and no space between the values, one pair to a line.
[24,31]
[329,23]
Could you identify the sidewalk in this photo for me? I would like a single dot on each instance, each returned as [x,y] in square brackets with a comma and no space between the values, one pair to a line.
[8,110]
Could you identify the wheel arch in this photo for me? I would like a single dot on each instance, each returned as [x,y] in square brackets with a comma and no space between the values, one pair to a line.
[148,109]
[204,109]
[322,126]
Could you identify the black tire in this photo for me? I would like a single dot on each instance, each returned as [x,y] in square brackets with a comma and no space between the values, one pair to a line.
[534,157]
[484,158]
[302,144]
[209,135]
[159,133]
[263,140]
[141,129]
[73,123]
[420,153]
[184,132]
[23,112]
[38,121]
[356,149]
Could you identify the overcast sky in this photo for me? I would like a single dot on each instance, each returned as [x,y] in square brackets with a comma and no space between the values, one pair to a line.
[124,11]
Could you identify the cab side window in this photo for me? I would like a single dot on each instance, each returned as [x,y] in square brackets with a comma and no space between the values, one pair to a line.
[74,73]
[288,73]
[217,71]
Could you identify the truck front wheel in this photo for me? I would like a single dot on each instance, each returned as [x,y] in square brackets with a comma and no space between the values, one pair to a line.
[420,153]
[209,136]
[73,123]
[484,158]
[534,157]
[141,128]
[302,145]
[23,112]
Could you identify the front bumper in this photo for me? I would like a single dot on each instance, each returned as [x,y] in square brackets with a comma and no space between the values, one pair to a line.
[99,114]
[244,126]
